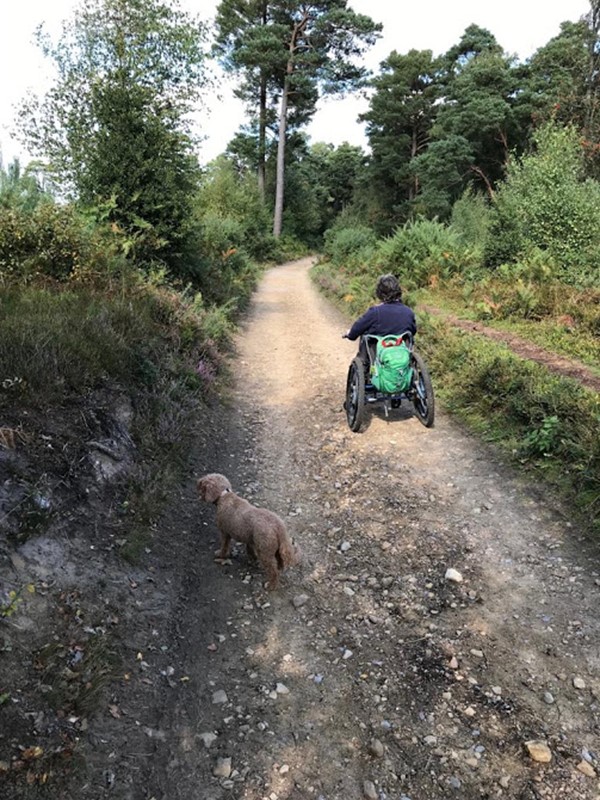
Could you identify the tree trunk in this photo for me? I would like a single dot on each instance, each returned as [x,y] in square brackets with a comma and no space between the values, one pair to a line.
[278,216]
[262,137]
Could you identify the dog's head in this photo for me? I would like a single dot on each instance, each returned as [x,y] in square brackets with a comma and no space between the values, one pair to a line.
[212,486]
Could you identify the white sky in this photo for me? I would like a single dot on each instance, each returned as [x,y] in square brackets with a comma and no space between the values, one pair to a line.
[520,26]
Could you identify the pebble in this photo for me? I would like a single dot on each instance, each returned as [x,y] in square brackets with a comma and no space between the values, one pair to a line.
[504,781]
[586,769]
[453,663]
[347,654]
[222,768]
[497,690]
[284,769]
[376,748]
[548,698]
[208,739]
[281,688]
[300,600]
[470,711]
[219,697]
[579,683]
[369,791]
[539,751]
[453,575]
[345,546]
[454,782]
[477,653]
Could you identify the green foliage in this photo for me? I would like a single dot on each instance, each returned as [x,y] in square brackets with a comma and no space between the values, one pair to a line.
[470,219]
[343,244]
[114,126]
[546,204]
[53,241]
[21,189]
[402,111]
[421,251]
[230,195]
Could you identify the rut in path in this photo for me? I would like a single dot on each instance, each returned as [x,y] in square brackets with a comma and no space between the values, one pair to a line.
[368,673]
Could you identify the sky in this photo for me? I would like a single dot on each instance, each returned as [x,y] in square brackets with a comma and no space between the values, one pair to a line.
[520,26]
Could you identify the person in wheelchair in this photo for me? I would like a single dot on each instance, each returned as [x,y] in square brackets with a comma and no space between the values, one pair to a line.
[388,317]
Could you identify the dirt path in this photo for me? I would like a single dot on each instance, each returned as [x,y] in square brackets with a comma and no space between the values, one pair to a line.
[369,673]
[393,681]
[567,367]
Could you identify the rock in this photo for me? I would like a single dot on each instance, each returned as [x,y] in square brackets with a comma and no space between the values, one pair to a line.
[579,683]
[207,739]
[284,769]
[453,575]
[497,690]
[430,741]
[345,546]
[300,600]
[453,663]
[548,698]
[369,791]
[222,768]
[281,688]
[347,654]
[219,697]
[477,653]
[504,781]
[454,782]
[586,769]
[470,711]
[539,751]
[376,748]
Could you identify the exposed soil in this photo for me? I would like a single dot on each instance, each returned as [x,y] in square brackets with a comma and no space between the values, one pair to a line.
[369,673]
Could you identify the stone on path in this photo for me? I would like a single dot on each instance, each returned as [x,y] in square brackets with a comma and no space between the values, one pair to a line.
[539,751]
[453,575]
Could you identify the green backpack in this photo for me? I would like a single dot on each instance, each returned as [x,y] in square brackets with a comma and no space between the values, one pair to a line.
[392,372]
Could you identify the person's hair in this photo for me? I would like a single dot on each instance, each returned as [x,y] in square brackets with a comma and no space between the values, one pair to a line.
[388,289]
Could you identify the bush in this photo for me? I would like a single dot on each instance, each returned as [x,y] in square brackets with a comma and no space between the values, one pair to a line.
[422,250]
[545,204]
[470,220]
[51,240]
[342,244]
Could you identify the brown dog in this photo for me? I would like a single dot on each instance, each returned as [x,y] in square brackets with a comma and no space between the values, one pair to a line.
[262,531]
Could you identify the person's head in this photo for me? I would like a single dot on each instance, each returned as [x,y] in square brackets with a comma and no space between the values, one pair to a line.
[388,289]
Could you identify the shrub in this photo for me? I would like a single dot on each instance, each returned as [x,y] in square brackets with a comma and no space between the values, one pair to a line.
[545,203]
[344,243]
[423,249]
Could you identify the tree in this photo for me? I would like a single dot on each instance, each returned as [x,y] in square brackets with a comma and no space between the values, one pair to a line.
[562,81]
[476,125]
[114,127]
[294,51]
[402,111]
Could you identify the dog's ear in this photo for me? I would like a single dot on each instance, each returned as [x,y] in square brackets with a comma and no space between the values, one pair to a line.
[209,489]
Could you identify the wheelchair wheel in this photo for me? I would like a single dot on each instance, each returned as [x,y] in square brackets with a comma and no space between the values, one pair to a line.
[422,398]
[355,395]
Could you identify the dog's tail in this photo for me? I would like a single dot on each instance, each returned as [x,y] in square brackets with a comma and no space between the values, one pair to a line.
[288,554]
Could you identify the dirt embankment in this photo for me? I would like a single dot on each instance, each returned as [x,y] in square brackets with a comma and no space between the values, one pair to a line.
[443,621]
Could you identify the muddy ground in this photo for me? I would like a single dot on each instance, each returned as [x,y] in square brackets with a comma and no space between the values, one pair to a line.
[373,671]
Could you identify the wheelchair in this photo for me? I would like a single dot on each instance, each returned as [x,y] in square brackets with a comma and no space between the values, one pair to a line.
[361,393]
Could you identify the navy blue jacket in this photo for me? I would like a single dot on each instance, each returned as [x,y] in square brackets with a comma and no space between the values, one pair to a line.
[384,319]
